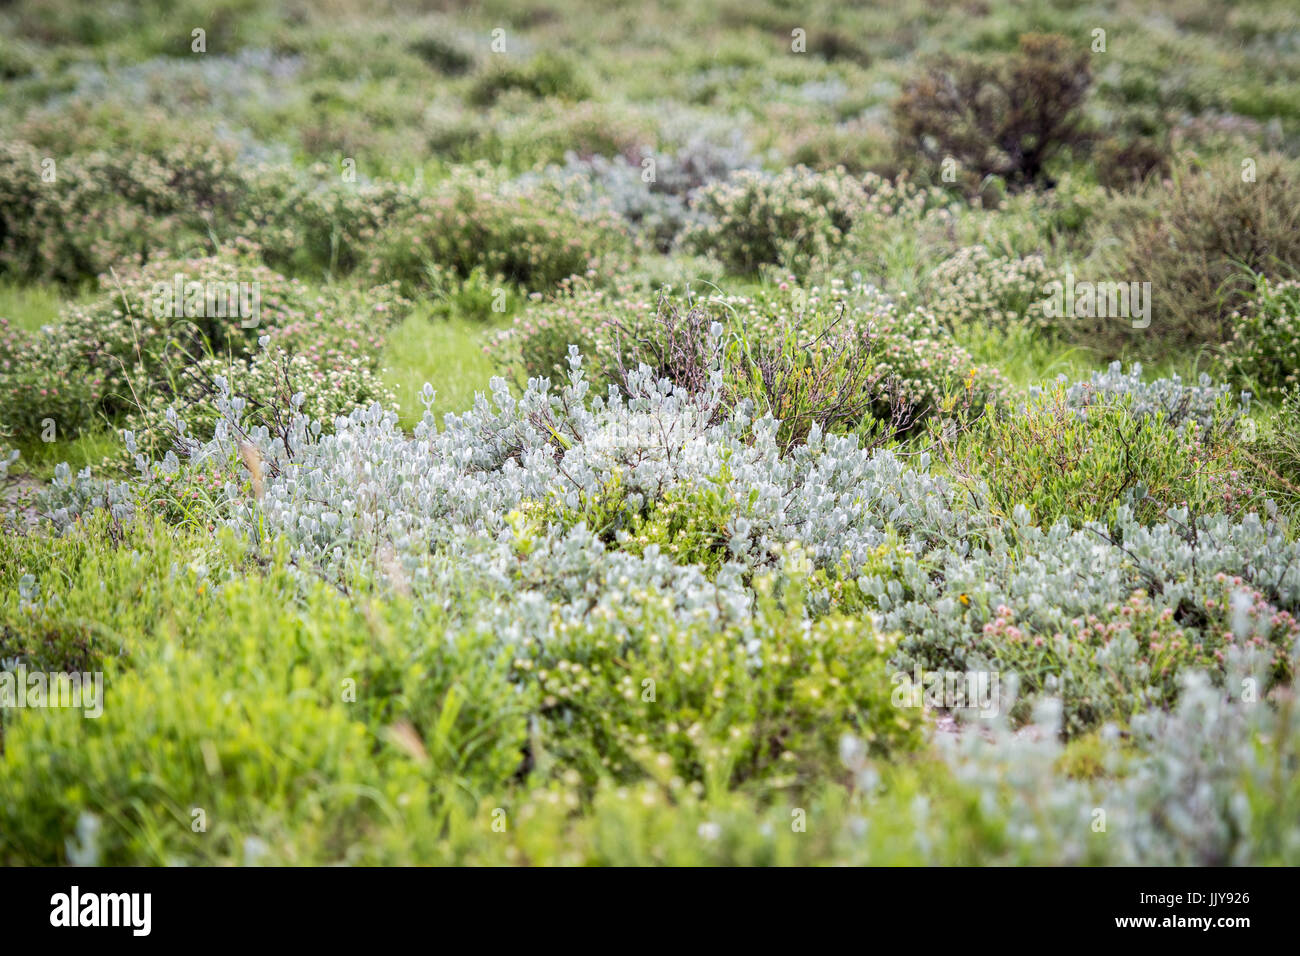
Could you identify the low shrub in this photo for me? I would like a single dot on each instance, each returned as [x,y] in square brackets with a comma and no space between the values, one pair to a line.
[1213,582]
[976,287]
[445,55]
[70,219]
[857,145]
[43,380]
[718,709]
[901,228]
[471,222]
[1205,404]
[1273,451]
[273,384]
[599,185]
[792,218]
[1127,162]
[651,190]
[314,222]
[1133,656]
[131,351]
[932,569]
[1211,228]
[1081,462]
[240,753]
[1264,351]
[839,357]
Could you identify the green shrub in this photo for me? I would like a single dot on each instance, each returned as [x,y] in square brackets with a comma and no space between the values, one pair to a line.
[444,55]
[1135,656]
[717,706]
[119,353]
[1273,452]
[1127,162]
[471,223]
[974,287]
[351,737]
[554,131]
[412,736]
[858,146]
[792,218]
[43,377]
[154,26]
[1264,351]
[313,221]
[108,208]
[1060,461]
[350,720]
[838,358]
[275,386]
[902,228]
[17,59]
[689,524]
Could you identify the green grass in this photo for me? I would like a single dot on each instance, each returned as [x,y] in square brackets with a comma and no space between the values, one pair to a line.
[446,353]
[1024,356]
[39,459]
[29,306]
[1027,357]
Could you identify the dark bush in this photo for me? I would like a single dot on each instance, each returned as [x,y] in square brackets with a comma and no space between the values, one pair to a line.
[839,45]
[1004,116]
[1125,162]
[443,55]
[544,75]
